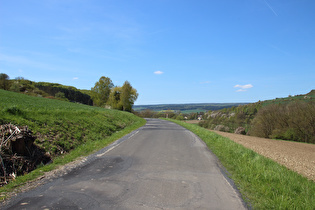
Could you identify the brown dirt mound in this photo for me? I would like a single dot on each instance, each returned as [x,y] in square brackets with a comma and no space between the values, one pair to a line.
[299,157]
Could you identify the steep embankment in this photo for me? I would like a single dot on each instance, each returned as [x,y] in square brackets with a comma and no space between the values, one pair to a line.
[59,126]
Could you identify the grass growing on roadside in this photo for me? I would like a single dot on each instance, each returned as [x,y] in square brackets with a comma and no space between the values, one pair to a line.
[80,151]
[65,130]
[263,183]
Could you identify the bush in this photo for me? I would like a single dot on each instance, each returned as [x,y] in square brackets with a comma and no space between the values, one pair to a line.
[14,111]
[222,128]
[293,121]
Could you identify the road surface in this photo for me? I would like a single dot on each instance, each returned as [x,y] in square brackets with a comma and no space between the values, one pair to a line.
[159,166]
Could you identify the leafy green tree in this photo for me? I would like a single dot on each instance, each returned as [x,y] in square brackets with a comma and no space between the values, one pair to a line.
[61,96]
[101,91]
[15,87]
[4,81]
[114,98]
[128,96]
[180,117]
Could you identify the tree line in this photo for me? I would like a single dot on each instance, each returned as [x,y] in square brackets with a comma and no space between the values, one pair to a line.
[103,94]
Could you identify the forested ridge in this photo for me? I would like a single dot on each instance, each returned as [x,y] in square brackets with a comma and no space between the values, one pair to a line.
[193,107]
[290,118]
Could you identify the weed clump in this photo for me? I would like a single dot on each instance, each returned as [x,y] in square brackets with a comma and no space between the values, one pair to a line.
[14,111]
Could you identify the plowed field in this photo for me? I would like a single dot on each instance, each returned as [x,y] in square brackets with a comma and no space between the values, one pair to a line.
[299,157]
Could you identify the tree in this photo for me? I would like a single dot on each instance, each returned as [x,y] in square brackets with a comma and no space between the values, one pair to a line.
[101,91]
[61,96]
[128,96]
[15,86]
[4,81]
[114,98]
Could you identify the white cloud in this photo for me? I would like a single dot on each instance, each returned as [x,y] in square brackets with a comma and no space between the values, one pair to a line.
[158,72]
[240,90]
[243,87]
[205,82]
[75,78]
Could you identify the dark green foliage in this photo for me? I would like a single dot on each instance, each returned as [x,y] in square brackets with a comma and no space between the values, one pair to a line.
[14,111]
[45,89]
[71,93]
[4,81]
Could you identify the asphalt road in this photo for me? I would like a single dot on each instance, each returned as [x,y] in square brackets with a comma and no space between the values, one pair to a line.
[159,166]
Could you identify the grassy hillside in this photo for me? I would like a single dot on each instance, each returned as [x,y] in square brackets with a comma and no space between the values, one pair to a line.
[64,130]
[290,118]
[49,90]
[61,126]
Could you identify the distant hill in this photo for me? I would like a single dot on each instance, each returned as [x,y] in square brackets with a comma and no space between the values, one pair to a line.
[301,97]
[186,108]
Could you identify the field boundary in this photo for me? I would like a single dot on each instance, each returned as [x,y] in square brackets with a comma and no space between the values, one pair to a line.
[297,156]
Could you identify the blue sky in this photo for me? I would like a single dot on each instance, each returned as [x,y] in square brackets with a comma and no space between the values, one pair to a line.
[171,51]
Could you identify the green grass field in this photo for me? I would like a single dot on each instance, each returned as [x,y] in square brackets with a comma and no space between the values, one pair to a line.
[65,130]
[61,126]
[263,183]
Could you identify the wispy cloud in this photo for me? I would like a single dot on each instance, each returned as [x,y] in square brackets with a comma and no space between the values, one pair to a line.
[75,78]
[243,87]
[205,82]
[268,5]
[158,72]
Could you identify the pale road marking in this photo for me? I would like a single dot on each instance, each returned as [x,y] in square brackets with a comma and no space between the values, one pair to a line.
[113,147]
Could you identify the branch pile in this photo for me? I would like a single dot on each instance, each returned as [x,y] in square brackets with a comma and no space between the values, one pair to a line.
[18,153]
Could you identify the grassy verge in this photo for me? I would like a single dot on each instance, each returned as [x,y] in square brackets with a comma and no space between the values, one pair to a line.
[263,183]
[80,151]
[64,130]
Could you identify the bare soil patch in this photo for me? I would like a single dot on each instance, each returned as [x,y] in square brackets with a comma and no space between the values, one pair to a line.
[192,121]
[299,157]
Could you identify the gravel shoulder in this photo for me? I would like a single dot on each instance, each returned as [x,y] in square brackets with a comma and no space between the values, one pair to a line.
[299,157]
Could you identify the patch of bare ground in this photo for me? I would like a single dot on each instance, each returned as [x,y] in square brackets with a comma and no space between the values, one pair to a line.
[299,157]
[193,121]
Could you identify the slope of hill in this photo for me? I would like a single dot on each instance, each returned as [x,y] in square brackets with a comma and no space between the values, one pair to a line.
[60,126]
[50,90]
[290,118]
